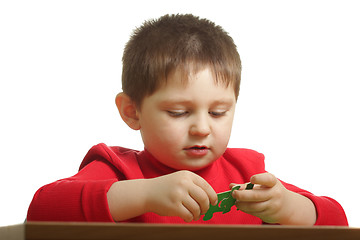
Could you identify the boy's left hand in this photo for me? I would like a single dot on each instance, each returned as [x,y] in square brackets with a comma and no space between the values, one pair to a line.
[271,201]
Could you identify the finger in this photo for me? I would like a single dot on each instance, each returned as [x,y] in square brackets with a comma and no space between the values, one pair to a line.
[264,179]
[201,197]
[185,214]
[252,208]
[256,195]
[206,187]
[193,207]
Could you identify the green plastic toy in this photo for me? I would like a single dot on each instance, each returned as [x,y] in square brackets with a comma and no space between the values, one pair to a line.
[225,202]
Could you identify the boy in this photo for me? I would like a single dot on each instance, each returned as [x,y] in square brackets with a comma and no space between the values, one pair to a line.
[181,78]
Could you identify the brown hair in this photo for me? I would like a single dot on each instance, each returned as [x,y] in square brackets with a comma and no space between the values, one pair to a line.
[183,42]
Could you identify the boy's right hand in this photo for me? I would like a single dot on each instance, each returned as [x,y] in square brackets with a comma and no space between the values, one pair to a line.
[182,194]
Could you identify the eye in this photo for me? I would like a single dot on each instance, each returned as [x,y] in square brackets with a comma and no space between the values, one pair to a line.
[217,113]
[178,113]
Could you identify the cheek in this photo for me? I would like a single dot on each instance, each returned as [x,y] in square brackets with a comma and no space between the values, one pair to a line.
[223,132]
[163,133]
[171,134]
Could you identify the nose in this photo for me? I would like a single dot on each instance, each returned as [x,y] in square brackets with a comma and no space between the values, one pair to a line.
[200,126]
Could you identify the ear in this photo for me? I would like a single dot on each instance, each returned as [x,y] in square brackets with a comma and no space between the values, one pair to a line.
[128,110]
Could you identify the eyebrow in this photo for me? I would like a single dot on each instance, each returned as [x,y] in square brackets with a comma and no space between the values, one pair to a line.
[225,101]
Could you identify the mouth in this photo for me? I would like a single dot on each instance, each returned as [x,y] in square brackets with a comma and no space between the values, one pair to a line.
[196,147]
[197,151]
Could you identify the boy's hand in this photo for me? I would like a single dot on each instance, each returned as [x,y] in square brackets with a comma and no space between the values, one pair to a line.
[273,203]
[182,194]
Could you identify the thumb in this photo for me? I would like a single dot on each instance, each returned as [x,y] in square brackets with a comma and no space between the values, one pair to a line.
[264,179]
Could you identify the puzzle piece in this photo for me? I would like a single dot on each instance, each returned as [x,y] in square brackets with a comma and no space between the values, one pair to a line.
[249,186]
[225,202]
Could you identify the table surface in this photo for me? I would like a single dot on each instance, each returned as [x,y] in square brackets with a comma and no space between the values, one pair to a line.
[107,231]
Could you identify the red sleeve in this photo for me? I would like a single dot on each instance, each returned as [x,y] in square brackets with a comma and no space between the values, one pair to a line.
[329,212]
[78,198]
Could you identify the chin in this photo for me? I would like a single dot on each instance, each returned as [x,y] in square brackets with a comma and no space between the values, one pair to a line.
[194,167]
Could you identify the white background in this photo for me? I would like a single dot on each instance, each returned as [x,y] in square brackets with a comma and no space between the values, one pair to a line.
[60,69]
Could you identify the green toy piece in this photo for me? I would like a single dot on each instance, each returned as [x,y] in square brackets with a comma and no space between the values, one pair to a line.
[249,186]
[225,202]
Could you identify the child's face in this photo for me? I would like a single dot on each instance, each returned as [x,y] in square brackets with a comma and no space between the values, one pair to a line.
[188,126]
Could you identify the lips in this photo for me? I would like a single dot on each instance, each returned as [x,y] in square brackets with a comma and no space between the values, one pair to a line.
[197,151]
[196,147]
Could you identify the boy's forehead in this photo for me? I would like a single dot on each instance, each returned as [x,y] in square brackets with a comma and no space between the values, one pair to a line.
[178,86]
